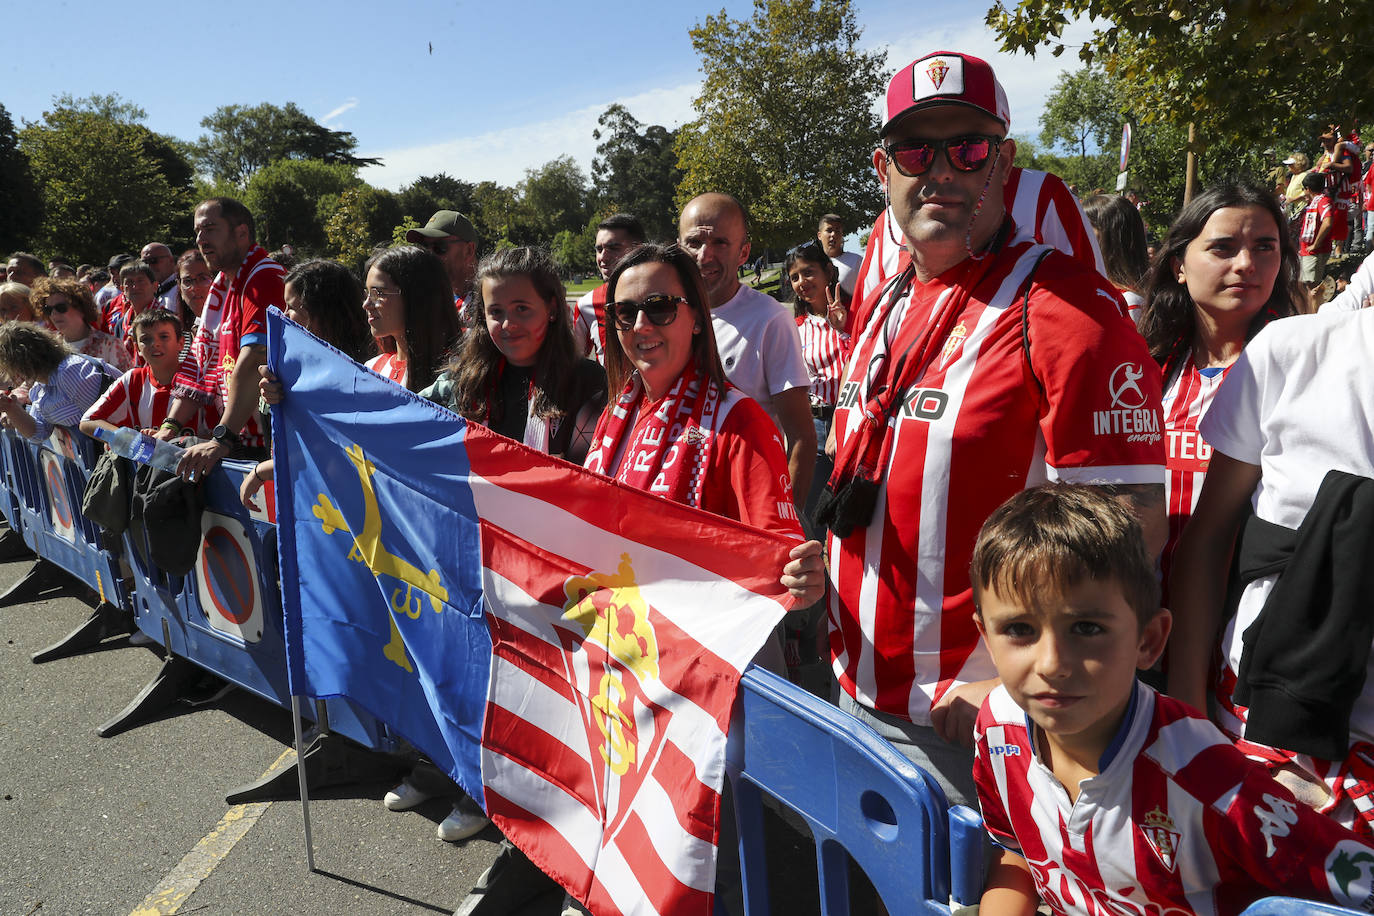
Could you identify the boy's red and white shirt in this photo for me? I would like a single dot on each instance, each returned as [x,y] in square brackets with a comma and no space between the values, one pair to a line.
[134,400]
[1177,821]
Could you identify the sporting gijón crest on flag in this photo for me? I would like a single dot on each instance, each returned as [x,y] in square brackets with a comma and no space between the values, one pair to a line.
[566,647]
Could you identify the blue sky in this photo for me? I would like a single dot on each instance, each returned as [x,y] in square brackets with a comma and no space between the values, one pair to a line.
[509,85]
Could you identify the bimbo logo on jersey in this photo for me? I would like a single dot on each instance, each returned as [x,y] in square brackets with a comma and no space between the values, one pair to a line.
[923,404]
[1127,414]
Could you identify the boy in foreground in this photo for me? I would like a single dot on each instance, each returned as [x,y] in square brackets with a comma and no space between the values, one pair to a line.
[1103,795]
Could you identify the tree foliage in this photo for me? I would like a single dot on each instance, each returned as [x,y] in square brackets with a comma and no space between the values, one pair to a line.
[292,199]
[361,217]
[20,214]
[785,120]
[101,188]
[427,194]
[635,170]
[245,138]
[1082,118]
[552,198]
[1241,70]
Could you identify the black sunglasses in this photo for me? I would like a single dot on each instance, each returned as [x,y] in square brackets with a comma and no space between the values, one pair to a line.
[965,154]
[807,250]
[59,308]
[660,309]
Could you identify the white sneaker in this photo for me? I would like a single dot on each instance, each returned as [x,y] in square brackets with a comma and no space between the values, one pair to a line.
[461,824]
[404,797]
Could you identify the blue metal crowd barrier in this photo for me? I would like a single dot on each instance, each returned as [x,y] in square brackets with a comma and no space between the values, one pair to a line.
[224,617]
[861,799]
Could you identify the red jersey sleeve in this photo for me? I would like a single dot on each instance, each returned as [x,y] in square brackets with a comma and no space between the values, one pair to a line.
[262,291]
[1100,410]
[995,819]
[113,405]
[747,477]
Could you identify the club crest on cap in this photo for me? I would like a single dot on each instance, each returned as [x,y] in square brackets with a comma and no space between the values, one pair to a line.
[946,75]
[937,70]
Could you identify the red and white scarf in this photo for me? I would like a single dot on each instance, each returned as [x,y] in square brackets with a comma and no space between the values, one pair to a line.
[667,449]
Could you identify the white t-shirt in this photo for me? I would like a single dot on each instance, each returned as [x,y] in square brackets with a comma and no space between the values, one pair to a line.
[847,265]
[759,346]
[1297,403]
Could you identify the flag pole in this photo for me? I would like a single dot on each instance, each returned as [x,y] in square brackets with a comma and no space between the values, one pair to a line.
[300,775]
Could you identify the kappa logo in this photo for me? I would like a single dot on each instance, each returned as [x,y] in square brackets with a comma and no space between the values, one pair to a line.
[937,70]
[368,550]
[1004,750]
[614,616]
[1124,386]
[1350,875]
[1275,820]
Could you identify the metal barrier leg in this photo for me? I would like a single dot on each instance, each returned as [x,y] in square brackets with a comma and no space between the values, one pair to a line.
[12,546]
[44,576]
[105,621]
[159,693]
[330,760]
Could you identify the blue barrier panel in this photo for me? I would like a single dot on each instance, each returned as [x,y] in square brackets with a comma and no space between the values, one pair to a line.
[1292,906]
[861,799]
[9,505]
[27,492]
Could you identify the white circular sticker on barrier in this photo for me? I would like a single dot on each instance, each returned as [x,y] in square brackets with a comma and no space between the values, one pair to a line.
[227,578]
[59,506]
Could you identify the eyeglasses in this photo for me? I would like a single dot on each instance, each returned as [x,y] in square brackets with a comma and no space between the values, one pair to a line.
[376,294]
[660,309]
[440,247]
[965,154]
[56,308]
[196,280]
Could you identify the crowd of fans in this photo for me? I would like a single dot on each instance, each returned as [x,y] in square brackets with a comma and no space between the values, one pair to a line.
[1024,428]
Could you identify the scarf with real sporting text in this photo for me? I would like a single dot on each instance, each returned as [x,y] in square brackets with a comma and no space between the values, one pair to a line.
[668,450]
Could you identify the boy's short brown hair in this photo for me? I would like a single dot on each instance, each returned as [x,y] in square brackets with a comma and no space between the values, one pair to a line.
[1057,536]
[149,317]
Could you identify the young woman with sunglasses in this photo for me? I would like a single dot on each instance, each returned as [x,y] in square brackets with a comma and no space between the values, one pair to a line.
[409,308]
[1227,268]
[68,307]
[727,457]
[517,370]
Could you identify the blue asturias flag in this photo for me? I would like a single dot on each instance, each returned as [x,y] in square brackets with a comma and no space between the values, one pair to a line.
[567,647]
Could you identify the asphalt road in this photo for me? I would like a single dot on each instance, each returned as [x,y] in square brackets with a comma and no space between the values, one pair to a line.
[96,825]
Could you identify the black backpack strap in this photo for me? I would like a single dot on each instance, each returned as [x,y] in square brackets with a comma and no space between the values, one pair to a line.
[1025,317]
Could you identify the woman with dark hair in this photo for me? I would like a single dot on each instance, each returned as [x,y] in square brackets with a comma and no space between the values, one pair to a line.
[721,453]
[1125,253]
[320,296]
[1227,268]
[68,307]
[821,309]
[409,307]
[517,370]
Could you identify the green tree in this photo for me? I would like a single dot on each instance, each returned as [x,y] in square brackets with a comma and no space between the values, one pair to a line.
[361,218]
[100,188]
[635,170]
[552,198]
[575,252]
[1083,117]
[291,199]
[245,138]
[785,120]
[1241,70]
[20,215]
[494,211]
[430,193]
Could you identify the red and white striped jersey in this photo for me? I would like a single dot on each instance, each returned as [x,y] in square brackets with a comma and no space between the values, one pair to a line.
[1177,821]
[1187,395]
[825,351]
[1312,218]
[1038,200]
[590,324]
[136,400]
[389,365]
[976,429]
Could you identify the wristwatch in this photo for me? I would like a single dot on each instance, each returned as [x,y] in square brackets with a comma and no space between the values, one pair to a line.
[225,436]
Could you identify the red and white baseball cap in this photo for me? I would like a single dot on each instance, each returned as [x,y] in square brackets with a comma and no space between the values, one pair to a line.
[945,78]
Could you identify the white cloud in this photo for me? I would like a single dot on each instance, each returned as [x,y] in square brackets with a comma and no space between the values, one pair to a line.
[348,105]
[504,155]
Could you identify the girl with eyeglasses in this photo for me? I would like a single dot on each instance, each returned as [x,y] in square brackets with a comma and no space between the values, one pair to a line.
[409,308]
[68,307]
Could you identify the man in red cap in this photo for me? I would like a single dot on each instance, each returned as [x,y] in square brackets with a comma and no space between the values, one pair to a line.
[991,364]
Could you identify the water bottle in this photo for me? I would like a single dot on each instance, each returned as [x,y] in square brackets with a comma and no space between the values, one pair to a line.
[142,448]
